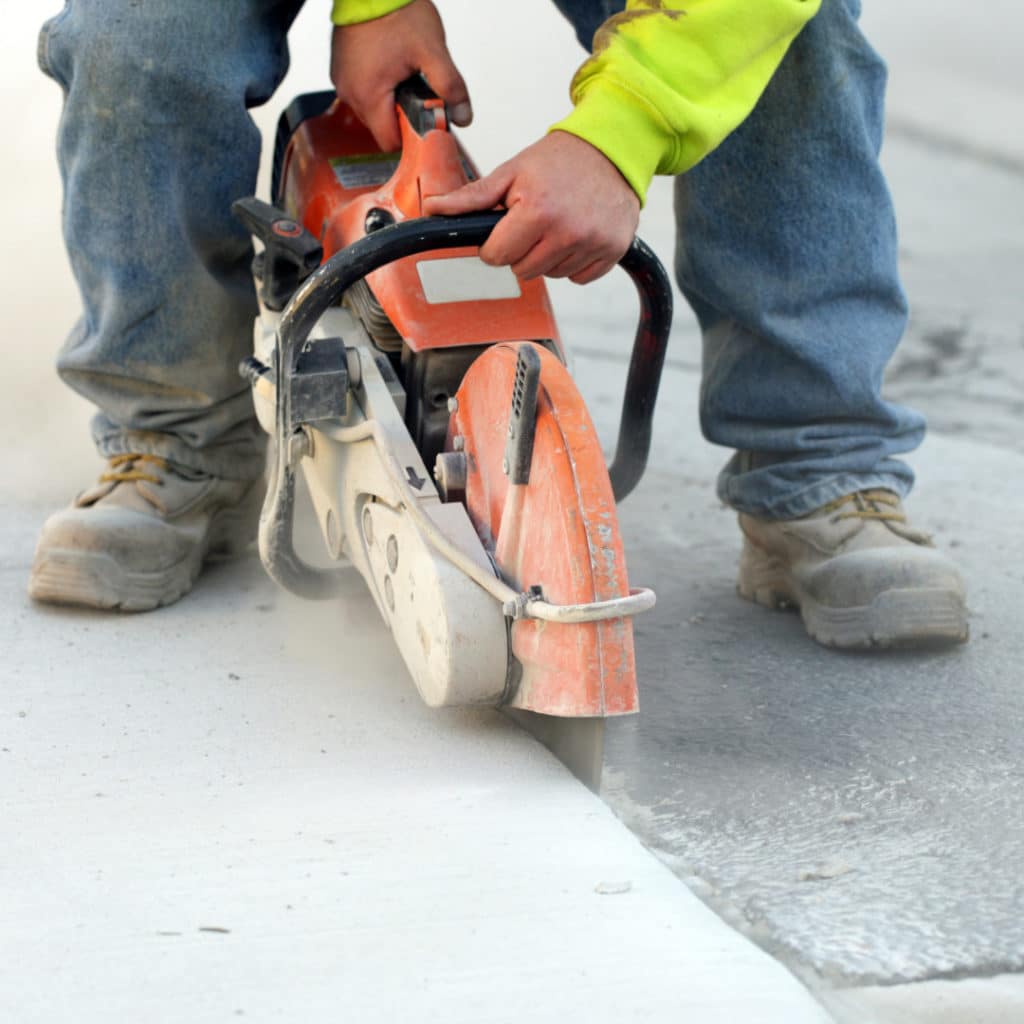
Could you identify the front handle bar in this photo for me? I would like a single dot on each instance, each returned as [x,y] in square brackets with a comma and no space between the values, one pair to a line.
[325,286]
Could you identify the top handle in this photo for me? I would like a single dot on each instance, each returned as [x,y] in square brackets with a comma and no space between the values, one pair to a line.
[421,106]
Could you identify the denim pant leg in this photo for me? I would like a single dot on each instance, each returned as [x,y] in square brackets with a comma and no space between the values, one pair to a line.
[155,142]
[786,250]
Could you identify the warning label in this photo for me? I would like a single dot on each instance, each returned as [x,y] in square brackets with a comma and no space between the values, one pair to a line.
[364,171]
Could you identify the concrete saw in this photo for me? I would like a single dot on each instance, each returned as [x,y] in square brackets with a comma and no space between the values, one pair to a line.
[449,455]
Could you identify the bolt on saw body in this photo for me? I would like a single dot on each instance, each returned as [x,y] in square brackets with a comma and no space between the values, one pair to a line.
[449,455]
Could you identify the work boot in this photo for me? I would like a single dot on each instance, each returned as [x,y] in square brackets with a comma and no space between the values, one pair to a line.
[860,575]
[138,539]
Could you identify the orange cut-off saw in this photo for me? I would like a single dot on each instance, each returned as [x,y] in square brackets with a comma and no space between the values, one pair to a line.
[449,455]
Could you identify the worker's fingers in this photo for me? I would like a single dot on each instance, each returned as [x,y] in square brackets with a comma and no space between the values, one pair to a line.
[513,239]
[538,261]
[482,194]
[592,272]
[443,77]
[575,262]
[381,119]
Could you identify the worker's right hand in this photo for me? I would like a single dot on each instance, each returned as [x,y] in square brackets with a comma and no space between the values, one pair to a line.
[370,58]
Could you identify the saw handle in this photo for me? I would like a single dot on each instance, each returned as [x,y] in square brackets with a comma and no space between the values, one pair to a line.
[325,286]
[289,255]
[645,365]
[419,103]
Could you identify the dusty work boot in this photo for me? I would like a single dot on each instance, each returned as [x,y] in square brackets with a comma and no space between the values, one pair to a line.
[138,539]
[859,574]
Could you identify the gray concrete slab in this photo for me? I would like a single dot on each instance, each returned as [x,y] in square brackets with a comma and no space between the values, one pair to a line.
[995,1000]
[962,232]
[859,815]
[955,75]
[238,807]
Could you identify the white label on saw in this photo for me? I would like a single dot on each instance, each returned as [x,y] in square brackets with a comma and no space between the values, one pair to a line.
[466,279]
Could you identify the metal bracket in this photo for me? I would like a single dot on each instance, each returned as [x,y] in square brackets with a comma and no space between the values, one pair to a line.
[320,382]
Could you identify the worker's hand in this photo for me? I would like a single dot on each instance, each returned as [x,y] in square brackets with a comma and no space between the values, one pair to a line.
[369,59]
[570,212]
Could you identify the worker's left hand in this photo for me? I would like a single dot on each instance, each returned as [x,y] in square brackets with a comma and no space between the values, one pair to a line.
[570,212]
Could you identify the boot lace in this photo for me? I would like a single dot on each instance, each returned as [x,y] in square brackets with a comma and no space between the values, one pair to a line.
[123,469]
[882,505]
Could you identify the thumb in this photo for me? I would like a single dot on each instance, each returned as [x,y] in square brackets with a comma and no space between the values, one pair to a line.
[482,194]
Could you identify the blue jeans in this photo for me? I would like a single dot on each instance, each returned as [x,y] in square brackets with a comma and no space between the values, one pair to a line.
[155,142]
[786,247]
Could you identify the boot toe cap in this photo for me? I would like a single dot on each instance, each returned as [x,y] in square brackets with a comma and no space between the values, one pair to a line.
[134,541]
[860,578]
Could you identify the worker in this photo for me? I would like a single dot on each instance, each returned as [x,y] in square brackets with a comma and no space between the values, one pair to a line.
[767,112]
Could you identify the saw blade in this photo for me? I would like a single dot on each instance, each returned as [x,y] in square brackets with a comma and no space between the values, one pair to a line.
[577,742]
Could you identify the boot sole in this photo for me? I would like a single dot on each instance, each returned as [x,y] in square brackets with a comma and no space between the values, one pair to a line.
[906,618]
[93,579]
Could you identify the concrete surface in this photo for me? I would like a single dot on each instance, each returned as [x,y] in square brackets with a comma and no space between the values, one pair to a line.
[211,813]
[995,1000]
[955,75]
[859,817]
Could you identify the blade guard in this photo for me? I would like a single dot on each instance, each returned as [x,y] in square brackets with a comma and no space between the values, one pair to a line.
[559,531]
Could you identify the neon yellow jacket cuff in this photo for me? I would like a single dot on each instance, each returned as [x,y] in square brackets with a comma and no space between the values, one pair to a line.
[670,79]
[351,12]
